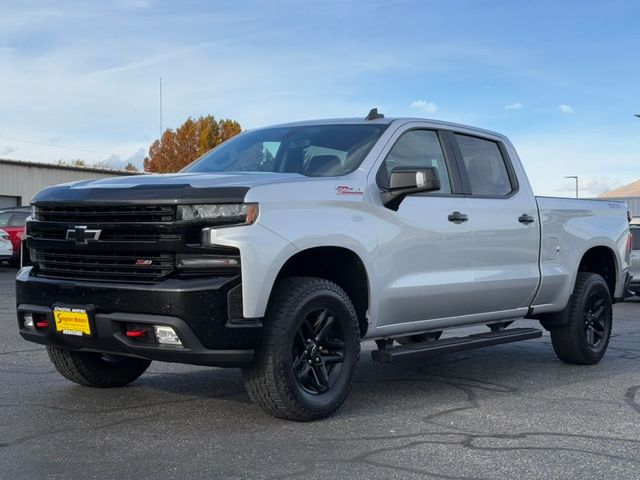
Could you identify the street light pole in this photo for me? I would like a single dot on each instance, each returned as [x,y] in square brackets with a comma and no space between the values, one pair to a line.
[576,179]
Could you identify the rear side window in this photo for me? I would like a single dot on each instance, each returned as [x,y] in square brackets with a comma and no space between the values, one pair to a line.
[485,166]
[419,149]
[636,238]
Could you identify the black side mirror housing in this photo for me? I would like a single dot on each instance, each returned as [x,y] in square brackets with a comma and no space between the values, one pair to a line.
[404,181]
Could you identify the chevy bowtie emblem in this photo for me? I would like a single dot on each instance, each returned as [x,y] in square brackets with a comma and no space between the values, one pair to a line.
[81,235]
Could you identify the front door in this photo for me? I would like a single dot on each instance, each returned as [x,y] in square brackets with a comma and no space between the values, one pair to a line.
[425,249]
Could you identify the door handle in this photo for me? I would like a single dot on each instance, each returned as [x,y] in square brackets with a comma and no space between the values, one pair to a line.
[457,217]
[526,219]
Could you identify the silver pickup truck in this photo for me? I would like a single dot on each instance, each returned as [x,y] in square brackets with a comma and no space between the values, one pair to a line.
[282,249]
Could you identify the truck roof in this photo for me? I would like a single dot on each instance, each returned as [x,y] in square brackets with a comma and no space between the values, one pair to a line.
[386,121]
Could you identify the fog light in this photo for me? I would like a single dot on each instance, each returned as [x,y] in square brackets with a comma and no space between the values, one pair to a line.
[28,320]
[166,335]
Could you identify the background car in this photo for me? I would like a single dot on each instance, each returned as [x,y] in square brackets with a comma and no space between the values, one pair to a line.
[6,248]
[13,221]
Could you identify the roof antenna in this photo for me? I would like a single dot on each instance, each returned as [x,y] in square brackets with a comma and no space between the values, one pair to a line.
[373,114]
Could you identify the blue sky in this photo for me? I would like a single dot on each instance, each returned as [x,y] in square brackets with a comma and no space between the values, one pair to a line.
[562,79]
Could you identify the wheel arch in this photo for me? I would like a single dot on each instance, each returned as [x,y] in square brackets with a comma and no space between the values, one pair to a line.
[601,260]
[340,265]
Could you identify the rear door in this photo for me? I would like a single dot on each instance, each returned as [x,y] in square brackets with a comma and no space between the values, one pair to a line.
[425,259]
[506,232]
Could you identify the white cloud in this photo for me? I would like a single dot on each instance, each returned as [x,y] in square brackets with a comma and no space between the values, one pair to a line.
[514,106]
[424,106]
[566,109]
[590,186]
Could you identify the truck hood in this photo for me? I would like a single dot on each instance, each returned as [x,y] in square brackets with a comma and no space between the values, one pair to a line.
[165,188]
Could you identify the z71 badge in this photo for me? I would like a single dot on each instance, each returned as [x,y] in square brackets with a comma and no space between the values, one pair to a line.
[347,190]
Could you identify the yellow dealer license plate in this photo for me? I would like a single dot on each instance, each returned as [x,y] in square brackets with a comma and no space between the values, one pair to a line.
[72,321]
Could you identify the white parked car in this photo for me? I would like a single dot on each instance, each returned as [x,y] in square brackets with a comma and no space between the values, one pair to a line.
[6,249]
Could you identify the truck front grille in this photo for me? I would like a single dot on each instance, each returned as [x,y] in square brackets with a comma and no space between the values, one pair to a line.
[106,214]
[114,267]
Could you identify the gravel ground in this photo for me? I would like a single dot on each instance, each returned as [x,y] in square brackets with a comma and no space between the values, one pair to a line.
[502,412]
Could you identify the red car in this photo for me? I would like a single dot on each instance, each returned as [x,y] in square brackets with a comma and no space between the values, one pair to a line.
[13,222]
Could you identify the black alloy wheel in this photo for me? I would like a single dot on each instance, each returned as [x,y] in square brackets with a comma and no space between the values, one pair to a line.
[596,322]
[318,352]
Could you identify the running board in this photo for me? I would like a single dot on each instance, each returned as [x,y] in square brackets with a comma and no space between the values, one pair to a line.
[456,344]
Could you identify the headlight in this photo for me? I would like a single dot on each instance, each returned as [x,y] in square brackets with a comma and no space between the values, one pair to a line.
[225,214]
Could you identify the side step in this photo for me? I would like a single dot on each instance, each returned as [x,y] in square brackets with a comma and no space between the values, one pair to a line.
[456,344]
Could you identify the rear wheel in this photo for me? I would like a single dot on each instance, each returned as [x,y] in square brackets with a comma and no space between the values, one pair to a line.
[304,369]
[102,370]
[585,337]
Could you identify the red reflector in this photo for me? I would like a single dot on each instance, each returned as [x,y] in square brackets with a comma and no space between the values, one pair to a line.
[43,324]
[136,333]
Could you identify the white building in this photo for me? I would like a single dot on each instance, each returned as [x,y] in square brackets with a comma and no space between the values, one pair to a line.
[19,180]
[629,193]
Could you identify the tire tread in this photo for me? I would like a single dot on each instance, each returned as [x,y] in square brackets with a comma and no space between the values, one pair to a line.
[566,338]
[81,368]
[268,387]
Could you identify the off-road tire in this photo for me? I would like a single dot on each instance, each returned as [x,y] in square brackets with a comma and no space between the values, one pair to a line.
[270,380]
[570,341]
[96,369]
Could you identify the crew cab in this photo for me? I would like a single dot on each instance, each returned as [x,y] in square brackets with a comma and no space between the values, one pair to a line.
[285,247]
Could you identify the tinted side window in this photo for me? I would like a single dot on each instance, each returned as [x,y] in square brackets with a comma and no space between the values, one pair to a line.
[418,148]
[485,166]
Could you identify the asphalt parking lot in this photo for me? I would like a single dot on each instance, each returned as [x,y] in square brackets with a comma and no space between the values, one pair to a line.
[503,412]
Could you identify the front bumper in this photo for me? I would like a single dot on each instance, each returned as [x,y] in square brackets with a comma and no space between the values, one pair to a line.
[197,309]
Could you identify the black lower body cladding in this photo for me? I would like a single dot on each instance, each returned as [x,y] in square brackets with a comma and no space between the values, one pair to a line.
[196,308]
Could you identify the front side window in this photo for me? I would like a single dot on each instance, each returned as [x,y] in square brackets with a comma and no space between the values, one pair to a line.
[311,150]
[417,149]
[485,166]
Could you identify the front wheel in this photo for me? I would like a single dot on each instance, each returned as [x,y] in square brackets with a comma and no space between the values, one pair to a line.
[102,370]
[304,369]
[583,340]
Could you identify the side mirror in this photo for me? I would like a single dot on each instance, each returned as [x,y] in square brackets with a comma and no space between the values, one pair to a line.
[404,181]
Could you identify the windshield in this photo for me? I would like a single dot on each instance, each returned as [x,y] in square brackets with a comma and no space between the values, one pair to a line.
[4,218]
[311,150]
